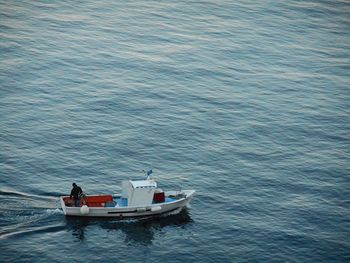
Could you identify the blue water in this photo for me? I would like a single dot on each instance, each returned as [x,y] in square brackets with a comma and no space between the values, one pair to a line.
[247,102]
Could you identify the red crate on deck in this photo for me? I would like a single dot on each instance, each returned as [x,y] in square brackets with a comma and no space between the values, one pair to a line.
[159,197]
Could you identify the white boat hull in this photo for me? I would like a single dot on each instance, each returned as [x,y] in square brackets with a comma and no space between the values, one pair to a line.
[131,211]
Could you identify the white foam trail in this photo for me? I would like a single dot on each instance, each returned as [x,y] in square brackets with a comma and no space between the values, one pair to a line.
[18,193]
[54,211]
[26,231]
[35,217]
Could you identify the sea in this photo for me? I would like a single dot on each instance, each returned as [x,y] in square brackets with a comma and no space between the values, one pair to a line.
[246,102]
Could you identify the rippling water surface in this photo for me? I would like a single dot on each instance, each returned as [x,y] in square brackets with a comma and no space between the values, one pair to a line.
[245,101]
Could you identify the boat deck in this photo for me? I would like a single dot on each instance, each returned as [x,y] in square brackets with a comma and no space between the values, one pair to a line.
[123,202]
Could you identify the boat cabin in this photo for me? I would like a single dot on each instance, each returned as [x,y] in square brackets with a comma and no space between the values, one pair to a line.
[138,193]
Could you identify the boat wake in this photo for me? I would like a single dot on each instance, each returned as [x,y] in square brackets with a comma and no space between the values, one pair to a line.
[25,213]
[12,193]
[56,211]
[34,230]
[36,222]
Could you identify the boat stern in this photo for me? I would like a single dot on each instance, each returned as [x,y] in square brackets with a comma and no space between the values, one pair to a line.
[63,205]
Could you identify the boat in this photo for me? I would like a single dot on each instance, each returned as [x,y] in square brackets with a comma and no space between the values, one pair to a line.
[138,198]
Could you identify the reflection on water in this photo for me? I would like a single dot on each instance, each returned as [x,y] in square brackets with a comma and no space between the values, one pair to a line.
[77,226]
[139,230]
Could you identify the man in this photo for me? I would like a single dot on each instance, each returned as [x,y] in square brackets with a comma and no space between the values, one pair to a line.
[76,193]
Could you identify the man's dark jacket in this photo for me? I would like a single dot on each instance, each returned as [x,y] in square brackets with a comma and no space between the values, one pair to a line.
[76,191]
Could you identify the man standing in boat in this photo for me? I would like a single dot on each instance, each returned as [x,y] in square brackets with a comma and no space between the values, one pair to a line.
[76,193]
